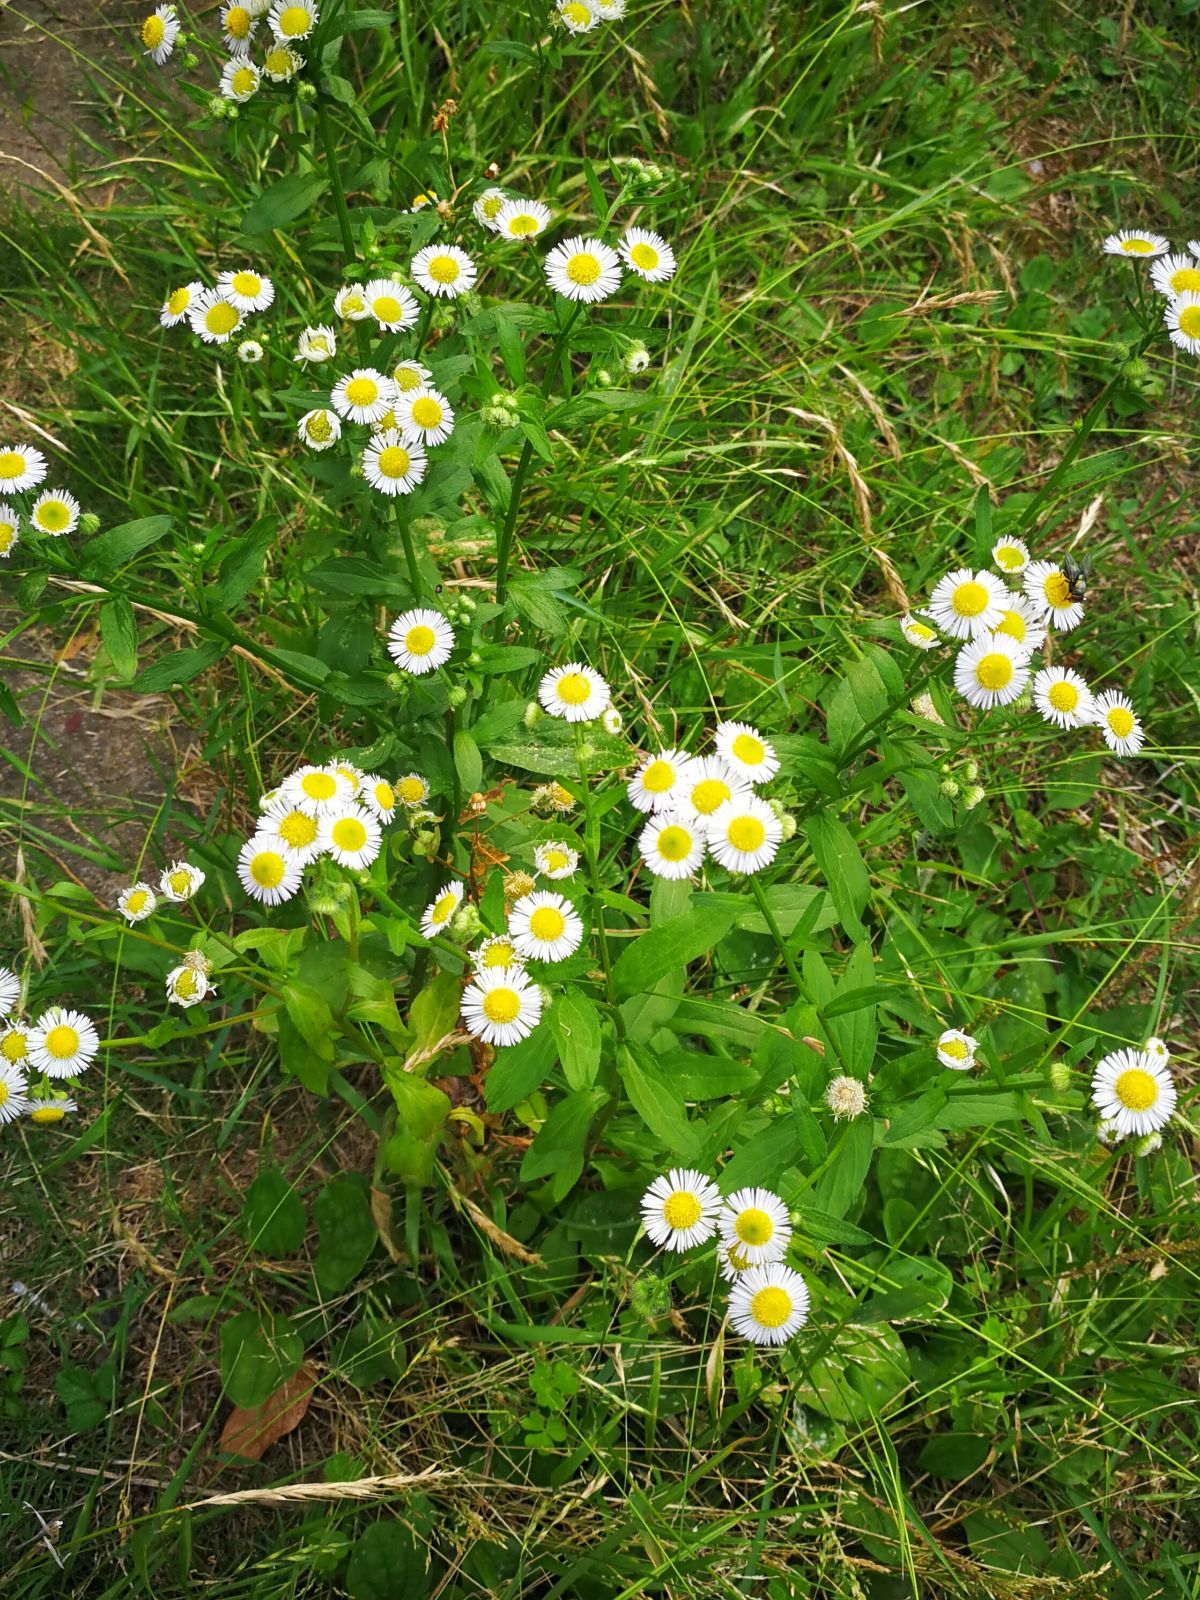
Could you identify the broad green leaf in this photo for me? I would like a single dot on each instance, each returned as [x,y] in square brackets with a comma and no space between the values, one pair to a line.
[671,947]
[346,1230]
[770,1149]
[112,549]
[311,1015]
[658,1100]
[907,1289]
[576,1025]
[435,1010]
[258,1353]
[468,762]
[273,1216]
[843,868]
[410,1149]
[385,1563]
[118,630]
[170,672]
[557,1152]
[242,567]
[841,1184]
[283,202]
[519,1069]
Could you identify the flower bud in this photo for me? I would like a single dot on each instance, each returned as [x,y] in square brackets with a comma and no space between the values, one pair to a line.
[456,695]
[474,659]
[533,714]
[650,1297]
[466,922]
[611,720]
[306,92]
[1060,1077]
[326,897]
[89,523]
[971,771]
[948,787]
[1148,1144]
[972,795]
[637,359]
[603,378]
[789,825]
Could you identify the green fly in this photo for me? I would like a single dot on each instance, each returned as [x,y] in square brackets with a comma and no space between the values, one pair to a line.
[1077,574]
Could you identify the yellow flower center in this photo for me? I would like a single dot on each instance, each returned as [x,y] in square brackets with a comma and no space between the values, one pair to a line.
[746,834]
[394,462]
[353,302]
[490,205]
[443,269]
[502,1005]
[385,796]
[682,1209]
[294,22]
[348,833]
[407,378]
[955,1048]
[523,224]
[419,641]
[12,463]
[573,689]
[644,256]
[1063,696]
[411,790]
[583,267]
[268,869]
[137,901]
[577,12]
[500,954]
[1189,321]
[748,749]
[221,317]
[152,32]
[1137,247]
[237,22]
[736,1259]
[351,777]
[658,777]
[244,81]
[3,1092]
[62,1041]
[1184,278]
[970,599]
[387,308]
[1008,557]
[179,881]
[320,427]
[771,1307]
[246,283]
[45,1114]
[1056,589]
[555,860]
[754,1227]
[426,412]
[185,983]
[674,843]
[12,1046]
[279,61]
[1013,624]
[53,516]
[8,533]
[547,924]
[708,794]
[443,908]
[178,301]
[994,671]
[362,391]
[1120,721]
[1136,1090]
[319,785]
[921,630]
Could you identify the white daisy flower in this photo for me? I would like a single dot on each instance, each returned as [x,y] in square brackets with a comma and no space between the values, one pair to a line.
[1133,1090]
[293,20]
[350,302]
[846,1097]
[439,911]
[1011,555]
[249,352]
[1118,722]
[522,219]
[1143,246]
[45,1110]
[1022,623]
[10,990]
[545,927]
[1182,318]
[919,633]
[14,1044]
[965,604]
[175,307]
[501,1006]
[412,790]
[136,903]
[957,1049]
[681,1209]
[578,17]
[180,881]
[756,1223]
[1049,589]
[320,790]
[240,80]
[21,467]
[612,721]
[55,512]
[319,430]
[1175,274]
[556,860]
[214,318]
[1157,1050]
[744,835]
[769,1305]
[705,785]
[486,208]
[496,953]
[10,529]
[750,755]
[410,375]
[731,1262]
[420,201]
[609,10]
[1063,697]
[281,63]
[294,829]
[574,692]
[583,269]
[364,395]
[444,269]
[378,796]
[158,33]
[187,985]
[991,671]
[392,305]
[239,23]
[1194,248]
[648,254]
[353,838]
[420,641]
[245,289]
[14,1097]
[63,1044]
[392,464]
[424,417]
[670,847]
[656,781]
[266,873]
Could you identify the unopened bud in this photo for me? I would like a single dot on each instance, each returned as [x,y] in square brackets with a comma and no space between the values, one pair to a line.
[533,714]
[89,523]
[972,795]
[948,787]
[306,91]
[456,695]
[1060,1077]
[604,378]
[466,923]
[1148,1144]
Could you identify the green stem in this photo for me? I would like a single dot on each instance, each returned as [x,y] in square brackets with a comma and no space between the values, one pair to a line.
[410,553]
[760,894]
[591,838]
[325,128]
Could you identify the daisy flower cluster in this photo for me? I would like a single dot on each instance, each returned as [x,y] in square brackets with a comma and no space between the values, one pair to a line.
[581,16]
[1174,274]
[217,312]
[335,811]
[768,1301]
[37,1058]
[999,629]
[1134,1092]
[277,32]
[26,506]
[503,1004]
[191,981]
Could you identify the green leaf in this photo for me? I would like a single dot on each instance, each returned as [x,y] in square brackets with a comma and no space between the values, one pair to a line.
[843,868]
[118,630]
[576,1025]
[310,1013]
[385,1563]
[539,604]
[557,1152]
[257,1355]
[242,567]
[983,526]
[841,1184]
[908,1290]
[170,672]
[850,1017]
[519,1069]
[284,201]
[111,549]
[87,1395]
[467,762]
[434,1012]
[273,1216]
[358,22]
[771,1149]
[497,723]
[671,947]
[346,1230]
[659,1102]
[9,706]
[978,1111]
[410,1150]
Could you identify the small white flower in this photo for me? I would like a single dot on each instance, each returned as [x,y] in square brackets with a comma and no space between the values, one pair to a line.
[1022,623]
[578,16]
[316,345]
[966,603]
[158,34]
[322,791]
[556,860]
[1118,722]
[583,269]
[670,847]
[412,790]
[187,985]
[1063,697]
[1157,1050]
[609,10]
[240,79]
[486,208]
[612,721]
[1011,555]
[1142,246]
[957,1049]
[420,640]
[919,632]
[637,359]
[1049,590]
[63,1044]
[1133,1090]
[496,953]
[10,529]
[214,318]
[353,838]
[991,671]
[522,219]
[393,465]
[246,289]
[319,430]
[379,796]
[180,881]
[363,395]
[501,1006]
[1182,318]
[10,990]
[265,872]
[544,926]
[21,467]
[410,375]
[294,828]
[46,1110]
[176,305]
[756,1223]
[439,911]
[750,755]
[574,692]
[744,834]
[350,302]
[392,305]
[648,254]
[681,1209]
[769,1305]
[1174,275]
[55,512]
[14,1092]
[655,782]
[846,1097]
[444,269]
[705,785]
[136,903]
[425,417]
[293,20]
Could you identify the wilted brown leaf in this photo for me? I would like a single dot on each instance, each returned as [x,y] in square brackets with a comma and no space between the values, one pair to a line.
[248,1433]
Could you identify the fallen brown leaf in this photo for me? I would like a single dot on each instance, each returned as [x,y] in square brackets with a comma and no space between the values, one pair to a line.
[249,1432]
